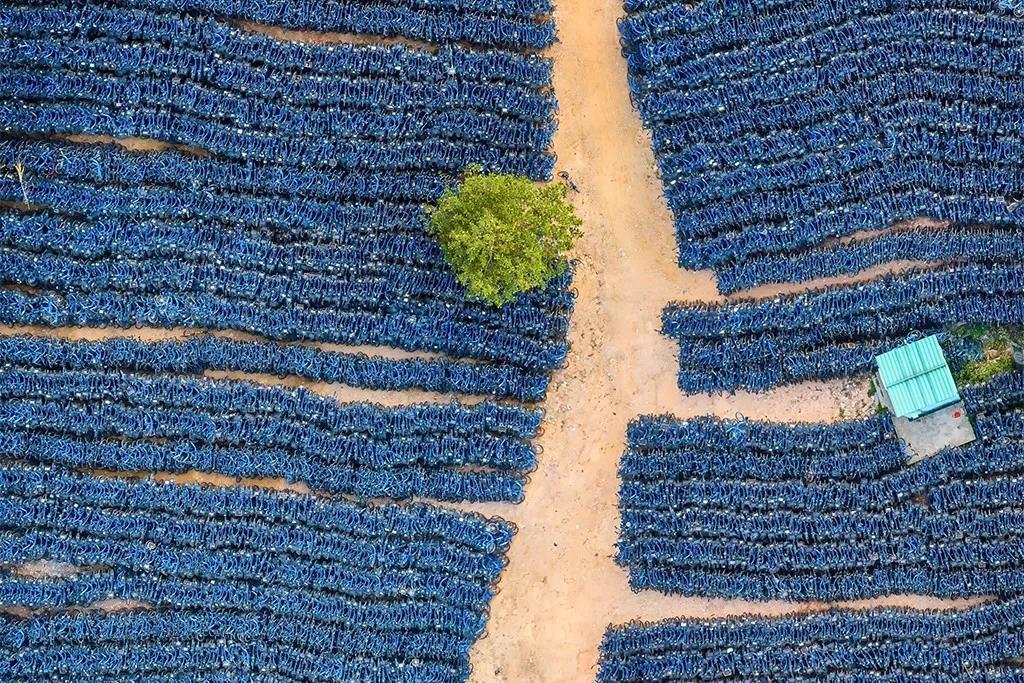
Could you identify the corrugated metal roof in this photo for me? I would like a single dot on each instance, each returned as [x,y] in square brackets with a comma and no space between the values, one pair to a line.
[917,378]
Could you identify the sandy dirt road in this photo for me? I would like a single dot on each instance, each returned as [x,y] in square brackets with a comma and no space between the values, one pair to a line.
[562,588]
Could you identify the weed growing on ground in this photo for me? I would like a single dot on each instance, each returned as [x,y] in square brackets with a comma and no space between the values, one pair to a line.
[997,345]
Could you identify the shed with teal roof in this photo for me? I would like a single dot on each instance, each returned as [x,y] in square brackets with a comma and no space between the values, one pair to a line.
[917,379]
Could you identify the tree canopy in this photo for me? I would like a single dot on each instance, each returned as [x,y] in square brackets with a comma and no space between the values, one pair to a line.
[503,234]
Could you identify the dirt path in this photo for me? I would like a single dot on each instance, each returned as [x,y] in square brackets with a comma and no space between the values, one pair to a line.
[562,588]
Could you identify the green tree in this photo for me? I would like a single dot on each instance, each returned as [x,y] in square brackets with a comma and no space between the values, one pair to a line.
[503,234]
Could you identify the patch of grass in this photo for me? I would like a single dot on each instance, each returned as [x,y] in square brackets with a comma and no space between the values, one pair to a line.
[880,409]
[979,371]
[872,389]
[998,354]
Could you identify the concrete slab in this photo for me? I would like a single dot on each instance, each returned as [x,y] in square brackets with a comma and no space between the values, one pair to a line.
[927,435]
[945,428]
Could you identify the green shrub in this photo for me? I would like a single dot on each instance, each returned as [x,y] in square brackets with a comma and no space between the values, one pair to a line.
[503,234]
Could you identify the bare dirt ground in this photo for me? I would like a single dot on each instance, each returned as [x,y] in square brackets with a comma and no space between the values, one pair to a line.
[562,587]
